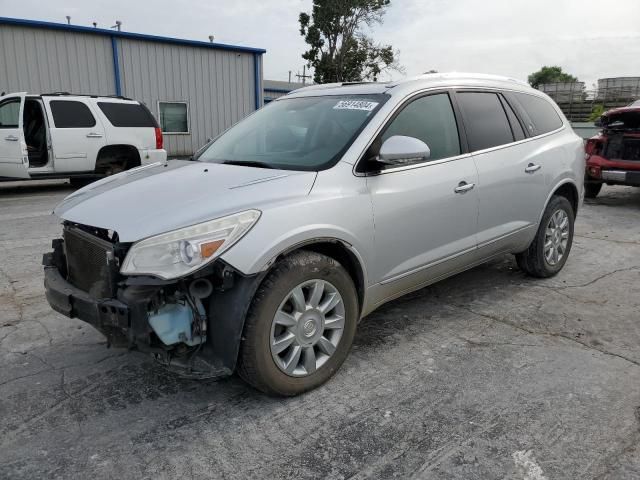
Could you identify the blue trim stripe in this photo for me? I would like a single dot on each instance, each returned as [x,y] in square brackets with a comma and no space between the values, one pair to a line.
[256,70]
[279,90]
[129,35]
[116,65]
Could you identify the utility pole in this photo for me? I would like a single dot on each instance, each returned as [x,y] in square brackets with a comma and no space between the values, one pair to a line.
[303,76]
[289,76]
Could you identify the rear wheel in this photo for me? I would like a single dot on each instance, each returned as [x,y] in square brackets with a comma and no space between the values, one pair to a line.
[548,252]
[300,325]
[592,189]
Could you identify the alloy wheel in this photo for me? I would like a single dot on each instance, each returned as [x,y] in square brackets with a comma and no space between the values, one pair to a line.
[307,327]
[556,237]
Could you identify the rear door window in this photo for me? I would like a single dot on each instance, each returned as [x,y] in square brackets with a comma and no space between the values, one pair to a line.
[430,119]
[516,127]
[71,114]
[542,114]
[127,114]
[485,120]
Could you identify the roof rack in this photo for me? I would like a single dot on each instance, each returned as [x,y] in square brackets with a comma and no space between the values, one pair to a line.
[92,95]
[326,86]
[361,82]
[456,76]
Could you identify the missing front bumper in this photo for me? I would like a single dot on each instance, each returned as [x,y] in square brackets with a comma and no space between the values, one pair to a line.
[123,324]
[124,320]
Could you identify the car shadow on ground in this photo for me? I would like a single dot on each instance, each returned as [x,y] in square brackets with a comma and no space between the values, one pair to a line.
[140,378]
[97,382]
[615,196]
[415,311]
[36,186]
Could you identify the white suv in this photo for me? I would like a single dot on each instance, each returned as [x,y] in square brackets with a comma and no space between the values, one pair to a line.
[60,135]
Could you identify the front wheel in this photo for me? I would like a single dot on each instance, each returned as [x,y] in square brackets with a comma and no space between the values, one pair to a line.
[300,325]
[550,248]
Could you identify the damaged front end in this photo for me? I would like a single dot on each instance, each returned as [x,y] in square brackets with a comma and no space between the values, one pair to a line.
[192,325]
[613,157]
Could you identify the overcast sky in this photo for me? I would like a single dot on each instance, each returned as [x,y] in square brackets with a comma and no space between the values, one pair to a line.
[589,38]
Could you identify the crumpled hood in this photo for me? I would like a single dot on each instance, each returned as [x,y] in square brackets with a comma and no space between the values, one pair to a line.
[161,197]
[625,118]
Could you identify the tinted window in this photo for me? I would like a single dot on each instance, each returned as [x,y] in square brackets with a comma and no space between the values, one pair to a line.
[127,114]
[173,117]
[10,113]
[486,123]
[540,111]
[70,114]
[431,120]
[516,127]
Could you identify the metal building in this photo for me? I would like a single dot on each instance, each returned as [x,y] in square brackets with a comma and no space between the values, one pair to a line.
[564,92]
[619,88]
[274,89]
[195,89]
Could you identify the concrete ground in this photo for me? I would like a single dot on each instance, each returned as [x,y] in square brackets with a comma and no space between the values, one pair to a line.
[489,374]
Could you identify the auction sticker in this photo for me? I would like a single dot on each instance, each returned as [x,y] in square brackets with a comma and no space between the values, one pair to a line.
[355,105]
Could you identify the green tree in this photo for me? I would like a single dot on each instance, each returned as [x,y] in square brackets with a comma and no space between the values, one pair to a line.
[550,75]
[596,113]
[339,49]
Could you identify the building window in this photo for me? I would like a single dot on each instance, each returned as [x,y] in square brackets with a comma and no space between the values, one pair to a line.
[174,117]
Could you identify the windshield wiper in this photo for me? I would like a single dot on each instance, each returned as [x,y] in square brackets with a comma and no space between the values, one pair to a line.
[248,163]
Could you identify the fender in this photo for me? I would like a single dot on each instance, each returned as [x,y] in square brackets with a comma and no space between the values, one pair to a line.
[249,260]
[228,308]
[316,240]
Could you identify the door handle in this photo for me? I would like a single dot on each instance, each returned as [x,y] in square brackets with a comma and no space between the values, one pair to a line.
[11,138]
[532,167]
[94,135]
[464,187]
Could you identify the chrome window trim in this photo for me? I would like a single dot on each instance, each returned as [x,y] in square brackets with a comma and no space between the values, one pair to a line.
[423,164]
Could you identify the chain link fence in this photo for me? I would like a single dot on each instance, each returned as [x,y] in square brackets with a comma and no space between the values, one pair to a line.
[582,105]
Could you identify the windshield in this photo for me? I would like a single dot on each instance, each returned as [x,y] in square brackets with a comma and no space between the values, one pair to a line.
[308,133]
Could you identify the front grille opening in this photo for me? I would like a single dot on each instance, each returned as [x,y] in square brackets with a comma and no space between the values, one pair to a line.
[91,261]
[620,147]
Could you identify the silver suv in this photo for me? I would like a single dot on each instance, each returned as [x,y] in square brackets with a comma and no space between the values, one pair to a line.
[263,253]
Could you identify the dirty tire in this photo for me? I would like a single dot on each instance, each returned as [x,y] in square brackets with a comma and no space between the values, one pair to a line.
[592,189]
[532,261]
[255,363]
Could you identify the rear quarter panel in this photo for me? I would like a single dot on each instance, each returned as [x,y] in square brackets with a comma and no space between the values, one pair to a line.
[572,169]
[562,156]
[143,138]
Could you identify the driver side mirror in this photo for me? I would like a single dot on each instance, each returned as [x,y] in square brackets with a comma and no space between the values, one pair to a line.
[401,150]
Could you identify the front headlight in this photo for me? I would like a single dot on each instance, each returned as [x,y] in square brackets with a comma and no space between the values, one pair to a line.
[175,254]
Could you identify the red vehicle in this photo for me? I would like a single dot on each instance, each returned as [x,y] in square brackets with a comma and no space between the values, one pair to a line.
[613,156]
